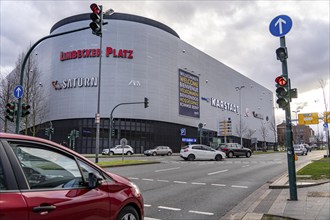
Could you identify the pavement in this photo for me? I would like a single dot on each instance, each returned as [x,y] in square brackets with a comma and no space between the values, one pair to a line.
[272,201]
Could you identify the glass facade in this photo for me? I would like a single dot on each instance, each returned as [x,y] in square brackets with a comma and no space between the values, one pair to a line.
[141,134]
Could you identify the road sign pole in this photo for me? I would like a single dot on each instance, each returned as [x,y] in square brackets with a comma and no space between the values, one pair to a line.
[288,132]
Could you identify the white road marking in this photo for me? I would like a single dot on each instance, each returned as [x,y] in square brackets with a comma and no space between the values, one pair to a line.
[246,166]
[169,208]
[201,213]
[133,178]
[179,182]
[221,171]
[164,181]
[174,168]
[234,186]
[146,218]
[194,183]
[147,205]
[215,184]
[148,179]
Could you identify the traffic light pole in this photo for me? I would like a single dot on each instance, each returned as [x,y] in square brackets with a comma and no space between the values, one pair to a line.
[111,117]
[288,133]
[19,107]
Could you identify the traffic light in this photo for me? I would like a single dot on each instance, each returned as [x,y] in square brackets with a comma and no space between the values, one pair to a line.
[229,126]
[282,92]
[282,53]
[25,110]
[10,111]
[97,19]
[146,102]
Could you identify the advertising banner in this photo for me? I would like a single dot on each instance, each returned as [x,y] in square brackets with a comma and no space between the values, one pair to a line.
[188,94]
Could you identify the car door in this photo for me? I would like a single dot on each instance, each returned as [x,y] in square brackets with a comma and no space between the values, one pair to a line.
[211,153]
[56,184]
[239,150]
[198,152]
[12,202]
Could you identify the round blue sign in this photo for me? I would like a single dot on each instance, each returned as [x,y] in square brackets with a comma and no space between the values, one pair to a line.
[18,91]
[280,26]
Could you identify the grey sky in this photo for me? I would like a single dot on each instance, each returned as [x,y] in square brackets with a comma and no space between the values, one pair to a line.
[233,32]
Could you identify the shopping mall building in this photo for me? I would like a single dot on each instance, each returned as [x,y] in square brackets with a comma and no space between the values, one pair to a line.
[145,58]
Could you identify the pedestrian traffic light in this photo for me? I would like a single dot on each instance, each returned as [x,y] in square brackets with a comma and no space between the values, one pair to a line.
[10,111]
[25,110]
[282,53]
[97,19]
[146,102]
[282,92]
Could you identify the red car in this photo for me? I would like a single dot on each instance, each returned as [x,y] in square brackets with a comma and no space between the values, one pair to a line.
[40,179]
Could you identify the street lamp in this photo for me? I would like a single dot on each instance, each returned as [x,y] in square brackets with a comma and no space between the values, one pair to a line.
[239,88]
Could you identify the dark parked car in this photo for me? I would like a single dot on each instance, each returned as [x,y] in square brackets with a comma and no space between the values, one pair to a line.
[159,150]
[234,149]
[40,179]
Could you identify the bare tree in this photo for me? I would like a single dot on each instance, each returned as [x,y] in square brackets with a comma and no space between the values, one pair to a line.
[242,131]
[273,128]
[33,95]
[264,133]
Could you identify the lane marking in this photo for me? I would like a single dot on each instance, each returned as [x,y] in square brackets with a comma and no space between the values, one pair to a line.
[179,182]
[148,179]
[133,178]
[221,171]
[169,208]
[246,166]
[215,184]
[194,183]
[147,205]
[164,181]
[201,213]
[235,186]
[147,218]
[174,168]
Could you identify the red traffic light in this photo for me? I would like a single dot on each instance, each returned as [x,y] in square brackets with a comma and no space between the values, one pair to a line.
[281,80]
[95,8]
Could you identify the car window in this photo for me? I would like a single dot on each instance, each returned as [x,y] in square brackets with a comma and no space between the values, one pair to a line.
[3,184]
[47,169]
[197,147]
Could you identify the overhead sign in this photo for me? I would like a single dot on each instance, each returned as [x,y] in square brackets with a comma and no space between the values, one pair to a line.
[280,25]
[18,91]
[308,118]
[326,117]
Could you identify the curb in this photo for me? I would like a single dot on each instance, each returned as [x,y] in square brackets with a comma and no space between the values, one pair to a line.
[299,184]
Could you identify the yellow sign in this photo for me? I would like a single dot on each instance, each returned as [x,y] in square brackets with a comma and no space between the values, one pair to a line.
[326,117]
[308,118]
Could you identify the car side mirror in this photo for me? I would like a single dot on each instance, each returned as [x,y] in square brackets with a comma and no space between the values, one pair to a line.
[94,180]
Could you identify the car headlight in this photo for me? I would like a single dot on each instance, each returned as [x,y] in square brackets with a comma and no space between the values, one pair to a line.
[136,189]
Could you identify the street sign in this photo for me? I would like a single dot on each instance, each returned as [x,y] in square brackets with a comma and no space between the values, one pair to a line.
[325,125]
[18,91]
[308,118]
[123,142]
[280,25]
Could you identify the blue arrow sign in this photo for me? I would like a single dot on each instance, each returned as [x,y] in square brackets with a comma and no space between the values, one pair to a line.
[280,25]
[18,91]
[325,125]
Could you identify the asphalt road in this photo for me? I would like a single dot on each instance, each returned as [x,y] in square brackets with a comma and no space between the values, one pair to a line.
[177,189]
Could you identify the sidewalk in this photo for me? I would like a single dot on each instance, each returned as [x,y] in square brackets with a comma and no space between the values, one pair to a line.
[271,201]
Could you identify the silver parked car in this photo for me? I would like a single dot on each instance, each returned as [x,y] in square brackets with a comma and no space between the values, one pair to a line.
[159,150]
[300,149]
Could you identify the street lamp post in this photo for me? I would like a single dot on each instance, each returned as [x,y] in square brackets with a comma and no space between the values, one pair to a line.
[238,88]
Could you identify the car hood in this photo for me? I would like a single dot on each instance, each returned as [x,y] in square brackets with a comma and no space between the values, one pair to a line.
[119,179]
